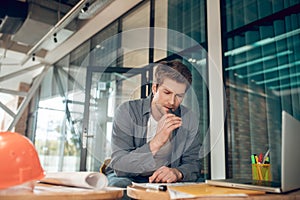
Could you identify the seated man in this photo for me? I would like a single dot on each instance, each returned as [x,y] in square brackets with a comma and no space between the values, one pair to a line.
[156,139]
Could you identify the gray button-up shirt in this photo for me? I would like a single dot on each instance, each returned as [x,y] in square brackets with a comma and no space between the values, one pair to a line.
[131,155]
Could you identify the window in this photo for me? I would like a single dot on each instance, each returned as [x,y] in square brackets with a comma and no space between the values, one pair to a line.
[261,69]
[181,35]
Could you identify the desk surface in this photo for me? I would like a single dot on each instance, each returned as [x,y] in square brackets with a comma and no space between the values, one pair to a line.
[53,192]
[145,194]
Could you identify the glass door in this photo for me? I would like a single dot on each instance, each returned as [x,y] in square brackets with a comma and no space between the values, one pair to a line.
[106,88]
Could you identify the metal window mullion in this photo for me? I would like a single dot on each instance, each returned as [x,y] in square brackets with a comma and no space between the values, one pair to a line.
[216,90]
[26,100]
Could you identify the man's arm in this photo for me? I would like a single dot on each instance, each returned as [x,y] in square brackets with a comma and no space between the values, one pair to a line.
[186,161]
[128,158]
[189,163]
[185,168]
[166,125]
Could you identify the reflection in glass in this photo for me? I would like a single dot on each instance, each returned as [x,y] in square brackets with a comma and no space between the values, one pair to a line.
[261,58]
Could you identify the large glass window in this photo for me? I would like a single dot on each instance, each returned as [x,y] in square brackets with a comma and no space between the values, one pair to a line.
[138,54]
[261,68]
[188,18]
[94,80]
[60,113]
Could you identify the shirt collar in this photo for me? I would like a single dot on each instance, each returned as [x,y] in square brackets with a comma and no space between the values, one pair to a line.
[147,104]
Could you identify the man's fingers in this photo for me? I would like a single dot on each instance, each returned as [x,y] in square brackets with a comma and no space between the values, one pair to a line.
[173,121]
[154,177]
[163,175]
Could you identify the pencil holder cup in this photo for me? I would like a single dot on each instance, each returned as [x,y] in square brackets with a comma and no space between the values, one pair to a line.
[261,172]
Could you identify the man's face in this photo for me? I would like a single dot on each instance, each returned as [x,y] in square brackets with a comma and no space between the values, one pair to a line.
[168,95]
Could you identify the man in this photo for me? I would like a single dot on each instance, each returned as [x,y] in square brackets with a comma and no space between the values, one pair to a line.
[156,139]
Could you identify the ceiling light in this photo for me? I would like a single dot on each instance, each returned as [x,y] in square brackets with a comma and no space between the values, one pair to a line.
[277,78]
[54,38]
[274,69]
[261,43]
[285,85]
[85,8]
[246,64]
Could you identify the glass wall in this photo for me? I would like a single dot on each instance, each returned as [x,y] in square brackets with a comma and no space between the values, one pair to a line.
[57,137]
[116,65]
[261,69]
[189,18]
[138,54]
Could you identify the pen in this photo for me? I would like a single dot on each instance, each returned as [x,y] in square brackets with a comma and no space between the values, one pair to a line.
[260,158]
[267,161]
[256,159]
[266,156]
[156,187]
[253,159]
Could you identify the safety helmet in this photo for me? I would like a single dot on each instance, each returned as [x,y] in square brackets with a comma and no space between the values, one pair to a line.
[19,160]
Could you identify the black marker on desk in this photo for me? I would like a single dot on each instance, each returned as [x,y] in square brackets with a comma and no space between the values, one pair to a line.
[153,186]
[156,187]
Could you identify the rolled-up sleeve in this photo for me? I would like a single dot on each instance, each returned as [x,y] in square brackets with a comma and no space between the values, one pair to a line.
[128,158]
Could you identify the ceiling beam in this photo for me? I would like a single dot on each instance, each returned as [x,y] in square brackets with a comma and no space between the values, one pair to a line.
[58,26]
[27,99]
[19,72]
[112,12]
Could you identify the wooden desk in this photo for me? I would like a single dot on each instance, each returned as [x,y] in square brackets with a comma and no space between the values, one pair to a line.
[52,192]
[147,194]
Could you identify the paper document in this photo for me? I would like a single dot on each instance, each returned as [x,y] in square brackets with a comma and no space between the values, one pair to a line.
[205,190]
[91,180]
[160,186]
[193,190]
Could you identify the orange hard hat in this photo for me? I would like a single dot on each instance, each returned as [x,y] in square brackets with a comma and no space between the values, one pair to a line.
[19,160]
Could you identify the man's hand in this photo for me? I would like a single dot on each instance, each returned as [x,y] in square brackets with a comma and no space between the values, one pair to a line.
[166,125]
[165,175]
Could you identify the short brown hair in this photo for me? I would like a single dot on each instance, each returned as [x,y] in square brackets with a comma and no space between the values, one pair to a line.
[174,70]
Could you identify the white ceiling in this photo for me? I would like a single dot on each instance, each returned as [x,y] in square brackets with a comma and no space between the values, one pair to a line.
[74,27]
[35,33]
